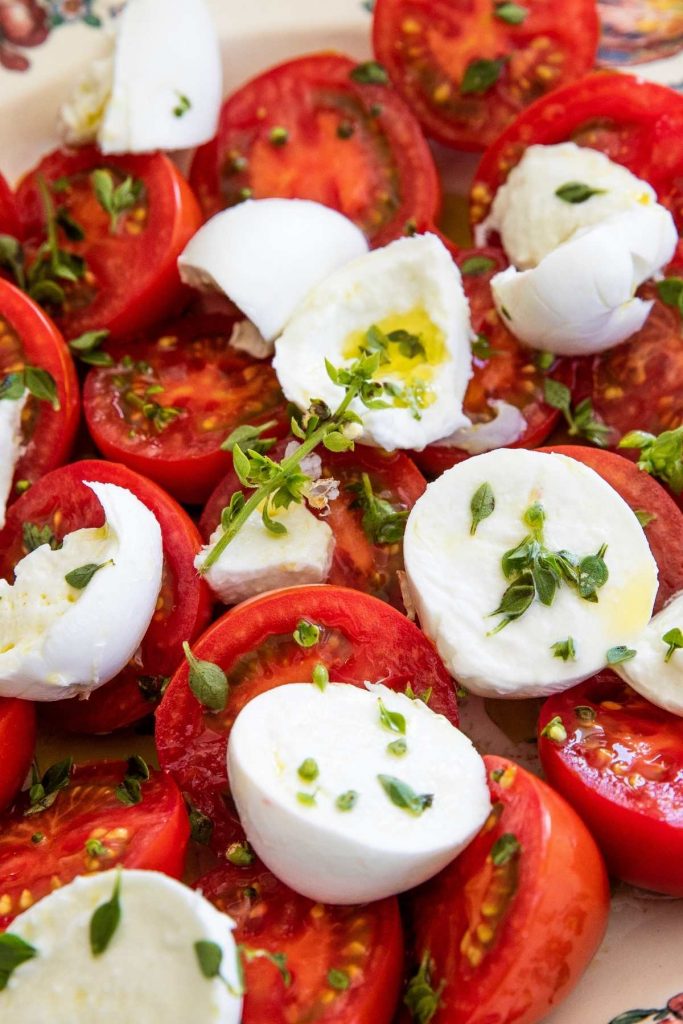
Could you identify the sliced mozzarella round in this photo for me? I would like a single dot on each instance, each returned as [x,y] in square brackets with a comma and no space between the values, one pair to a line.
[267,254]
[413,288]
[656,670]
[60,640]
[581,298]
[458,582]
[258,560]
[332,811]
[532,220]
[150,970]
[506,427]
[160,88]
[10,446]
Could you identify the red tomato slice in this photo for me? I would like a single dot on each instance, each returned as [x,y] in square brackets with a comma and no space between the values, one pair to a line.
[213,387]
[621,768]
[509,373]
[131,279]
[636,123]
[361,639]
[359,561]
[40,852]
[466,71]
[17,740]
[508,928]
[63,502]
[364,943]
[9,218]
[664,532]
[352,146]
[28,337]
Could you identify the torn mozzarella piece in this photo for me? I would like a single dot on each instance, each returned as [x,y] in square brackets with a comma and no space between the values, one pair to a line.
[59,640]
[504,429]
[11,440]
[306,770]
[656,671]
[246,337]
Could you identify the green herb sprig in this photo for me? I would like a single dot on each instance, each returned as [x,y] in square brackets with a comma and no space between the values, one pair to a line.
[660,456]
[581,420]
[422,998]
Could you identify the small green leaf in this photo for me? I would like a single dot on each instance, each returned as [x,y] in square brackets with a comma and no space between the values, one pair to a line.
[481,348]
[480,76]
[208,682]
[421,998]
[338,979]
[674,638]
[306,634]
[505,848]
[182,106]
[41,385]
[554,730]
[240,854]
[475,265]
[278,960]
[248,438]
[617,655]
[516,600]
[105,921]
[643,517]
[80,578]
[209,957]
[557,394]
[404,796]
[95,848]
[14,952]
[129,792]
[660,456]
[370,73]
[346,801]
[307,799]
[88,343]
[201,825]
[577,192]
[71,228]
[43,792]
[511,13]
[670,291]
[391,720]
[564,649]
[12,386]
[278,135]
[308,770]
[482,505]
[397,748]
[543,360]
[585,713]
[12,258]
[382,522]
[115,199]
[633,1016]
[321,676]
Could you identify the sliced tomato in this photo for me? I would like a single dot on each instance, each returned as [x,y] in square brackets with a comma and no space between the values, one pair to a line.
[364,944]
[9,218]
[17,740]
[29,338]
[170,401]
[502,368]
[44,849]
[466,70]
[509,927]
[621,768]
[131,277]
[309,129]
[360,560]
[636,123]
[63,502]
[664,531]
[361,639]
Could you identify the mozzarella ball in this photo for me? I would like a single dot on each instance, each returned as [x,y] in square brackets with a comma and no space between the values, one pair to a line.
[457,580]
[532,220]
[60,640]
[581,298]
[148,972]
[267,254]
[344,808]
[656,670]
[411,290]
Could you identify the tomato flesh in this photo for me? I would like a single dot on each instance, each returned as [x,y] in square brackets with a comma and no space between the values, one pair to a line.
[17,740]
[365,943]
[9,217]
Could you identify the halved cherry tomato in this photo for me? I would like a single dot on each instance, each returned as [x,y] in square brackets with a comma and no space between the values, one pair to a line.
[63,502]
[41,850]
[636,123]
[9,218]
[17,740]
[621,768]
[509,927]
[360,560]
[361,639]
[466,70]
[502,368]
[313,128]
[364,944]
[170,401]
[29,338]
[131,277]
[664,531]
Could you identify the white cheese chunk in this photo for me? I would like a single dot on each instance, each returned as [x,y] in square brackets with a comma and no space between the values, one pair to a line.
[267,254]
[246,337]
[532,221]
[149,971]
[258,560]
[10,446]
[410,286]
[58,640]
[374,847]
[458,581]
[654,672]
[581,298]
[505,428]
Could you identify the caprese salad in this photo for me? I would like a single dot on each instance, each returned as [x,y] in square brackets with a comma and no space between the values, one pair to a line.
[218,398]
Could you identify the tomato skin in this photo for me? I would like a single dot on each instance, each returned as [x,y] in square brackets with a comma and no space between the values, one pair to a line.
[9,217]
[368,640]
[39,343]
[639,828]
[314,938]
[427,47]
[551,926]
[187,599]
[382,177]
[147,262]
[151,835]
[642,493]
[17,741]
